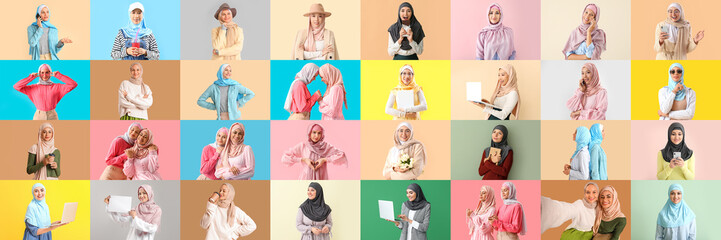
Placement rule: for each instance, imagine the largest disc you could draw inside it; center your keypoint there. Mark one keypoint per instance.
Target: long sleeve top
(580, 165)
(395, 48)
(481, 46)
(614, 227)
(302, 100)
(34, 167)
(116, 154)
(304, 225)
(299, 151)
(583, 49)
(45, 97)
(506, 102)
(35, 35)
(554, 213)
(143, 168)
(685, 232)
(421, 221)
(665, 101)
(331, 106)
(245, 162)
(238, 95)
(481, 228)
(215, 220)
(665, 172)
(595, 107)
(139, 229)
(666, 51)
(490, 171)
(510, 218)
(300, 53)
(597, 165)
(122, 43)
(134, 104)
(417, 152)
(220, 43)
(412, 113)
(208, 161)
(31, 233)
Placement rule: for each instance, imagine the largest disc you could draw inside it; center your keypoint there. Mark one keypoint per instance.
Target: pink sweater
(595, 108)
(510, 218)
(116, 154)
(245, 163)
(208, 160)
(481, 228)
(302, 100)
(45, 97)
(143, 168)
(300, 151)
(332, 104)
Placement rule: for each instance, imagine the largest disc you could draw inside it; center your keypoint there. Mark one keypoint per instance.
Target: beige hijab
(41, 149)
(228, 203)
(511, 85)
(681, 30)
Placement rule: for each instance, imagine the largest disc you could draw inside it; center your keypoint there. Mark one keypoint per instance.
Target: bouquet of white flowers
(406, 161)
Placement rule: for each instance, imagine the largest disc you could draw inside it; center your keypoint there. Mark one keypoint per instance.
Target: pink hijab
(485, 204)
(511, 85)
(578, 35)
(42, 148)
(495, 38)
(141, 150)
(610, 213)
(149, 211)
(228, 203)
(321, 147)
(594, 86)
(333, 77)
(314, 34)
(232, 149)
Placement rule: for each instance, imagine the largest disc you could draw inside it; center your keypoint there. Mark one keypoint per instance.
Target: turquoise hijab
(224, 81)
(38, 212)
(680, 95)
(596, 135)
(583, 138)
(136, 31)
(675, 215)
(46, 24)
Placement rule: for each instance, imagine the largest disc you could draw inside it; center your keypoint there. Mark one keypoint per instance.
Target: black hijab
(316, 209)
(680, 147)
(420, 201)
(503, 145)
(416, 27)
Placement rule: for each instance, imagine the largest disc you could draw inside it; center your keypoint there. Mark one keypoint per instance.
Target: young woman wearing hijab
(144, 219)
(315, 153)
(505, 96)
(578, 169)
(228, 37)
(237, 161)
(406, 82)
(479, 226)
(45, 94)
(582, 214)
(313, 219)
(134, 96)
(135, 41)
(405, 37)
(315, 42)
(597, 165)
(223, 219)
(299, 101)
(510, 219)
(673, 35)
(589, 101)
(37, 217)
(676, 220)
(211, 154)
(496, 166)
(227, 95)
(115, 159)
(495, 41)
(142, 162)
(408, 149)
(43, 36)
(587, 41)
(331, 105)
(610, 221)
(676, 161)
(415, 214)
(677, 101)
(43, 156)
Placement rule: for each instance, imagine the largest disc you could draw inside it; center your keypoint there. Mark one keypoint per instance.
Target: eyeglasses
(674, 11)
(677, 71)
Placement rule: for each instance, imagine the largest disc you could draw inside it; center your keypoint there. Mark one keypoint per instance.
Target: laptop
(474, 92)
(68, 213)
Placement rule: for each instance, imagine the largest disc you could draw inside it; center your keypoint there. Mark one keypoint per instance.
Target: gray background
(167, 196)
(197, 21)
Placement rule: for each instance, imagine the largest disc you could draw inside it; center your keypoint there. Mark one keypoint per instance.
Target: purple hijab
(578, 35)
(495, 39)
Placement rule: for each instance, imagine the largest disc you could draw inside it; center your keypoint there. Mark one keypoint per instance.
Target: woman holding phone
(43, 36)
(587, 41)
(676, 160)
(673, 35)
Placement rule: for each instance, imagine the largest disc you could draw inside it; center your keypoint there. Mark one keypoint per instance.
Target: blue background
(282, 73)
(163, 17)
(75, 105)
(196, 134)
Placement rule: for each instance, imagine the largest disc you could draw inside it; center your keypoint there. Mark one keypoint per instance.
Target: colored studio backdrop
(470, 139)
(197, 135)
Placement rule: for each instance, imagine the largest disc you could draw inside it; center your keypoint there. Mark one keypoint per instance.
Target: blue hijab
(38, 212)
(598, 161)
(46, 24)
(132, 29)
(224, 81)
(680, 95)
(675, 215)
(596, 135)
(583, 137)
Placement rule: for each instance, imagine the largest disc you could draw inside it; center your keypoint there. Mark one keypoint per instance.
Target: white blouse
(580, 165)
(417, 108)
(554, 213)
(215, 221)
(506, 102)
(139, 229)
(318, 54)
(666, 98)
(395, 48)
(134, 104)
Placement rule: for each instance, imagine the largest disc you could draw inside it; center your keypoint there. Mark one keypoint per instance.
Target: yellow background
(649, 76)
(379, 77)
(18, 194)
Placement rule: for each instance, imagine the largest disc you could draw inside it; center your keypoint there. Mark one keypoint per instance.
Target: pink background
(468, 17)
(344, 135)
(465, 194)
(166, 135)
(648, 137)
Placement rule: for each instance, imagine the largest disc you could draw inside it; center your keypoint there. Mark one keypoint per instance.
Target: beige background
(486, 72)
(560, 17)
(163, 78)
(286, 18)
(71, 138)
(72, 21)
(434, 16)
(557, 147)
(377, 139)
(197, 76)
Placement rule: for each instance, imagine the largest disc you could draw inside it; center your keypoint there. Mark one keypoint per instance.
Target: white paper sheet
(120, 204)
(386, 209)
(474, 91)
(404, 99)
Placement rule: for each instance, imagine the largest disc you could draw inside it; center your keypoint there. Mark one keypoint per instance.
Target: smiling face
(606, 199)
(405, 15)
(136, 16)
(675, 196)
(484, 193)
(143, 138)
(586, 75)
(406, 76)
(676, 136)
(315, 135)
(494, 15)
(45, 74)
(224, 190)
(411, 195)
(317, 19)
(142, 195)
(236, 135)
(45, 14)
(674, 14)
(404, 133)
(39, 193)
(497, 135)
(226, 16)
(311, 193)
(134, 132)
(221, 137)
(227, 72)
(136, 71)
(502, 77)
(588, 15)
(677, 74)
(591, 193)
(505, 192)
(47, 134)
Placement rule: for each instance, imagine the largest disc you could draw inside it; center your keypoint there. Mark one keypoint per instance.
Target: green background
(437, 192)
(471, 137)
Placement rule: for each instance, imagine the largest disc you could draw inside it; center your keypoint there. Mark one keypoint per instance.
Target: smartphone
(676, 155)
(664, 28)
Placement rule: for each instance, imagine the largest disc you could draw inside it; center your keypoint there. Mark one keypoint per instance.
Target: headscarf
(126, 136)
(675, 215)
(334, 77)
(142, 151)
(46, 24)
(228, 203)
(149, 211)
(595, 85)
(306, 75)
(497, 39)
(232, 149)
(136, 31)
(320, 147)
(512, 200)
(678, 32)
(316, 209)
(578, 35)
(420, 201)
(224, 81)
(597, 139)
(314, 34)
(410, 86)
(401, 144)
(231, 32)
(511, 85)
(484, 204)
(583, 138)
(596, 135)
(503, 145)
(138, 81)
(223, 129)
(38, 212)
(585, 202)
(42, 148)
(610, 213)
(670, 148)
(40, 80)
(680, 95)
(416, 27)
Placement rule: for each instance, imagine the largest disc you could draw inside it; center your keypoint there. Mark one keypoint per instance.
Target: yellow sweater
(664, 172)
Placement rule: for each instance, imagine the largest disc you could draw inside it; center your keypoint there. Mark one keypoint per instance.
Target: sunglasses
(677, 71)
